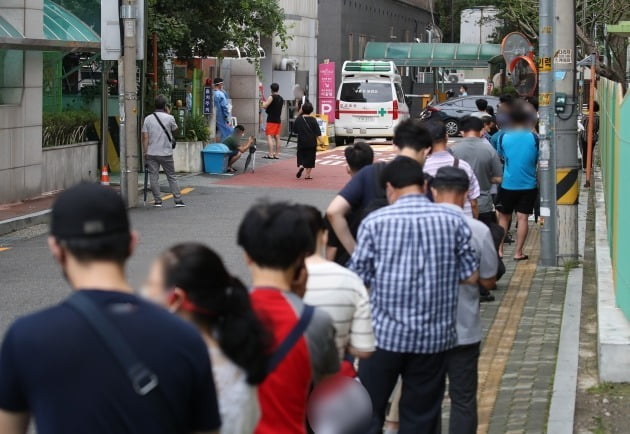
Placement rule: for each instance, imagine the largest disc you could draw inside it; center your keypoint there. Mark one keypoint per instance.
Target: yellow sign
(322, 142)
(547, 29)
(567, 189)
(544, 64)
(544, 99)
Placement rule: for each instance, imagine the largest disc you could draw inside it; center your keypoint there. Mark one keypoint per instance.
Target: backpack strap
(292, 338)
(456, 160)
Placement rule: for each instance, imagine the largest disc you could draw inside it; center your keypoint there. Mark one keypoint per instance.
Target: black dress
(307, 130)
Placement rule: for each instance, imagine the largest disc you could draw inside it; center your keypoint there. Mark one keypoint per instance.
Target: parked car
(452, 110)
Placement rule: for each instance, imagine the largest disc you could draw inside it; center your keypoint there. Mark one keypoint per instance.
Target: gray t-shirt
(159, 144)
(468, 314)
(485, 163)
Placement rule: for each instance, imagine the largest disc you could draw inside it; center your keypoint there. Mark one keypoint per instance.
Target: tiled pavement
(518, 359)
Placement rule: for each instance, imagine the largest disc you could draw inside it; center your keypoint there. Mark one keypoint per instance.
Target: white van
(370, 101)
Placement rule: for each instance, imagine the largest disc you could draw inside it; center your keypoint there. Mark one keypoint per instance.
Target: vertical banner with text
(327, 90)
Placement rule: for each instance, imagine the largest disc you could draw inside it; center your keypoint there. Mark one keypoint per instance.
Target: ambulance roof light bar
(369, 67)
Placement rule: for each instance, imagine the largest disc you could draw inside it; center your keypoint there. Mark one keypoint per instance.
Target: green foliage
(505, 90)
(197, 128)
(204, 28)
(66, 128)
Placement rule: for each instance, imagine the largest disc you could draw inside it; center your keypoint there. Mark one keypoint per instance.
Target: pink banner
(327, 90)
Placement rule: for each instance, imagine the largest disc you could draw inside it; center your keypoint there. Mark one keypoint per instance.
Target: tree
(591, 16)
(204, 28)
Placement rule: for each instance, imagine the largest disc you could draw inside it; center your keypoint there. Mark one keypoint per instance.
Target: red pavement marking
(329, 172)
(12, 210)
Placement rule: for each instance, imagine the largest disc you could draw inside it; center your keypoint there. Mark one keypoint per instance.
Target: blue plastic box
(216, 157)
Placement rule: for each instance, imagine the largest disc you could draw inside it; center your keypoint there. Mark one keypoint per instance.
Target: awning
(435, 55)
(63, 31)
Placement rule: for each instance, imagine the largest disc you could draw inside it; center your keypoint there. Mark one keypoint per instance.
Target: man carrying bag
(158, 143)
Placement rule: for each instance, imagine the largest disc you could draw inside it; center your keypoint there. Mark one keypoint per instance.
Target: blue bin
(216, 157)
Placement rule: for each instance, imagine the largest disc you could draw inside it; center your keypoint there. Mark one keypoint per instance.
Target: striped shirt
(445, 158)
(412, 255)
(341, 293)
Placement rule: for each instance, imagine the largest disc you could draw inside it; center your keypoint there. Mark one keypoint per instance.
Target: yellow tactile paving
(498, 344)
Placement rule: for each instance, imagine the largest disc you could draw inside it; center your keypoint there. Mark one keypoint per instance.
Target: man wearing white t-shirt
(339, 292)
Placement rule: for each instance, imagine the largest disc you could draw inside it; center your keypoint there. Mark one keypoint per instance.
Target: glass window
(399, 93)
(366, 92)
(11, 76)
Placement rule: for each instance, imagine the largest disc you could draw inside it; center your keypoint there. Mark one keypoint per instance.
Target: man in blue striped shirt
(413, 255)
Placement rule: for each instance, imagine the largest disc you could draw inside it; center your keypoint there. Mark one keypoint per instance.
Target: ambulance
(370, 101)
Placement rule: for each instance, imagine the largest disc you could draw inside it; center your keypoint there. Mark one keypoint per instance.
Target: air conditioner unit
(456, 77)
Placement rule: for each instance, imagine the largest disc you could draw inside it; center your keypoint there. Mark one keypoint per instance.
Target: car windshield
(366, 92)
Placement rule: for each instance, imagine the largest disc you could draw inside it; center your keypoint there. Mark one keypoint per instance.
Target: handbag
(168, 136)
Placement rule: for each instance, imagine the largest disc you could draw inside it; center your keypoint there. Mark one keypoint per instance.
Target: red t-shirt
(284, 393)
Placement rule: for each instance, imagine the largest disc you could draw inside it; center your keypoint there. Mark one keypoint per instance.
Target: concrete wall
(367, 20)
(243, 90)
(65, 166)
(187, 157)
(21, 124)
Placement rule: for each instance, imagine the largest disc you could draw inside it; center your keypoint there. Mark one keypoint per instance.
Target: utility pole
(566, 107)
(546, 161)
(129, 170)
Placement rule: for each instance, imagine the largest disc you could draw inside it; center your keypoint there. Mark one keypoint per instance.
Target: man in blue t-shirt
(55, 366)
(361, 193)
(518, 146)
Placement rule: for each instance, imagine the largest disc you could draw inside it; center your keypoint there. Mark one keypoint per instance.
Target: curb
(561, 418)
(25, 221)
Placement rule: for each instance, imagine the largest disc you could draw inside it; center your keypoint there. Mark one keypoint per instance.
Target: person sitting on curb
(233, 142)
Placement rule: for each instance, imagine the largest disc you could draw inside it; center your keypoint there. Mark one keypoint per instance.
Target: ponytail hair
(224, 301)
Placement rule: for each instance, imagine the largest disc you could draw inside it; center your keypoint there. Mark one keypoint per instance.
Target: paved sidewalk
(519, 350)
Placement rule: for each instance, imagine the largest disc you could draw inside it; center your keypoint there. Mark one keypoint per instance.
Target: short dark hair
(110, 248)
(358, 155)
(160, 102)
(470, 123)
(436, 129)
(464, 87)
(506, 98)
(315, 221)
(239, 127)
(490, 110)
(275, 87)
(595, 106)
(307, 108)
(450, 178)
(533, 101)
(402, 172)
(519, 116)
(275, 235)
(487, 120)
(481, 104)
(410, 133)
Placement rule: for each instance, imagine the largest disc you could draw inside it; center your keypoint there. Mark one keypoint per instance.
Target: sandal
(275, 157)
(267, 157)
(299, 173)
(309, 177)
(522, 258)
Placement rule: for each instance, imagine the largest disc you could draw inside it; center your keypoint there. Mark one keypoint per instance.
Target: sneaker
(179, 204)
(157, 203)
(485, 296)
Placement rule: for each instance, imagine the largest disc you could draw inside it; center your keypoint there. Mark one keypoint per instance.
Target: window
(362, 44)
(399, 93)
(366, 92)
(350, 46)
(11, 76)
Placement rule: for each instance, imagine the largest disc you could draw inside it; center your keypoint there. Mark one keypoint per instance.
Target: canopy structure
(435, 55)
(63, 31)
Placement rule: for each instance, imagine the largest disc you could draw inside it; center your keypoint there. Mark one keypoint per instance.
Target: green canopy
(7, 30)
(62, 25)
(434, 55)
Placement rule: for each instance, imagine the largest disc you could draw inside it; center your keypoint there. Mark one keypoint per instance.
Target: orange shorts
(272, 129)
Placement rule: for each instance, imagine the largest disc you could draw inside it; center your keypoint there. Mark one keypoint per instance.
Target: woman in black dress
(307, 130)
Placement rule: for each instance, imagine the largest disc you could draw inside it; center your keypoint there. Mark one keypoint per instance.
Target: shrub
(197, 128)
(66, 128)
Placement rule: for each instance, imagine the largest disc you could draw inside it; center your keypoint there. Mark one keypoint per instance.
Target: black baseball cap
(451, 177)
(217, 81)
(88, 211)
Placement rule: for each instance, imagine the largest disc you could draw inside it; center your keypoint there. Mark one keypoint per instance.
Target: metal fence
(614, 143)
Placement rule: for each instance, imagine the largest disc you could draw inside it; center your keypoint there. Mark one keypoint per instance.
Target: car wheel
(340, 141)
(452, 127)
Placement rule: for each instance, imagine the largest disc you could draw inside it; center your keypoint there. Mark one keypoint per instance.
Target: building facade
(346, 26)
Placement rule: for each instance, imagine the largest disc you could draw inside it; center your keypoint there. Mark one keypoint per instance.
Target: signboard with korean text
(207, 100)
(327, 90)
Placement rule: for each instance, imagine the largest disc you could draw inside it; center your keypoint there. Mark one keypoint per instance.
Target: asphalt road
(30, 280)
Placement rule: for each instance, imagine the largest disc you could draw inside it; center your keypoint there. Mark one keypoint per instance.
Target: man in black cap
(58, 367)
(450, 187)
(222, 109)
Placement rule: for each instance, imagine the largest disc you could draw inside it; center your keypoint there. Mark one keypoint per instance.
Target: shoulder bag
(170, 139)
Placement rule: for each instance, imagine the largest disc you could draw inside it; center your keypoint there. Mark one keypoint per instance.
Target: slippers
(309, 177)
(276, 157)
(267, 157)
(522, 258)
(299, 173)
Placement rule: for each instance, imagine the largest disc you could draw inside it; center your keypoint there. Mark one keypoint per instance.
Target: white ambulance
(370, 101)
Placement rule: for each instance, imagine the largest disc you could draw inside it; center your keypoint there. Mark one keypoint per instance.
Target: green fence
(614, 143)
